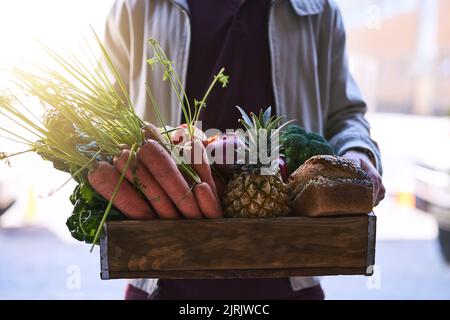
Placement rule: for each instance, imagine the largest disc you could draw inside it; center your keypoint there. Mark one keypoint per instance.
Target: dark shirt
(225, 33)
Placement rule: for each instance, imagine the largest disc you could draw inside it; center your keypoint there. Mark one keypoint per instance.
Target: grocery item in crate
(329, 185)
(257, 189)
(298, 145)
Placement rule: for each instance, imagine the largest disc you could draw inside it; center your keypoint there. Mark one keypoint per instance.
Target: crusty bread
(328, 166)
(329, 185)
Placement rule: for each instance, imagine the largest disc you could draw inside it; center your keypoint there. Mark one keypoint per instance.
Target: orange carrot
(220, 186)
(104, 178)
(139, 175)
(164, 169)
(200, 164)
(207, 201)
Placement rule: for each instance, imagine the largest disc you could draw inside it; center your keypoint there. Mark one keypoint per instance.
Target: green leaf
(266, 116)
(170, 130)
(245, 117)
(87, 213)
(224, 80)
(152, 61)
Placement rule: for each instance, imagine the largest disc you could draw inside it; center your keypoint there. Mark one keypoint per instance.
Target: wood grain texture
(237, 248)
(234, 274)
(104, 258)
(371, 238)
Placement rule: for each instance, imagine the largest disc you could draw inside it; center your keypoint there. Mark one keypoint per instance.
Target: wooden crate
(238, 248)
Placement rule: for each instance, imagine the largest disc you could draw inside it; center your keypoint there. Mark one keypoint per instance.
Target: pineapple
(257, 190)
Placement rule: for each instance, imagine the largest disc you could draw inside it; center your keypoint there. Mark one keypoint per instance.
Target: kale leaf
(88, 211)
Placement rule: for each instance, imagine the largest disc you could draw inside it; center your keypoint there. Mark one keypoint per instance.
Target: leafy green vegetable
(88, 211)
(298, 145)
(78, 142)
(89, 116)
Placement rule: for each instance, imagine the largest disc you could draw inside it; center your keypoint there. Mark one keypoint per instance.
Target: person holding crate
(288, 54)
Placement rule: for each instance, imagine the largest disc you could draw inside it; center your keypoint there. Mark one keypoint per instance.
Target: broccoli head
(293, 129)
(298, 145)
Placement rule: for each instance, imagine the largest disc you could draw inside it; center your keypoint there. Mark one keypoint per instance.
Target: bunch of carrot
(124, 154)
(154, 167)
(156, 174)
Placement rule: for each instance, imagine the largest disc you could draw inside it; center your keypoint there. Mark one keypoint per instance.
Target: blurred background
(400, 56)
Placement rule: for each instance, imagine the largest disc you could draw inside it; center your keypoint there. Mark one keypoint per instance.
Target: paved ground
(406, 269)
(35, 264)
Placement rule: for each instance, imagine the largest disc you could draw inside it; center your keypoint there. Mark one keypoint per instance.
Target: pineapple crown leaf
(262, 121)
(245, 120)
(266, 116)
(255, 121)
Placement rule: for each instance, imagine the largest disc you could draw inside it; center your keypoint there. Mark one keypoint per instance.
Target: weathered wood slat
(234, 274)
(236, 248)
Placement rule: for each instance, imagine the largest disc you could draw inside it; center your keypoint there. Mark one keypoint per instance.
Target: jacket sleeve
(346, 127)
(117, 40)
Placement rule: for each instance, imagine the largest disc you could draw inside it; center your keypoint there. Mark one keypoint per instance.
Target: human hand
(139, 175)
(363, 161)
(104, 178)
(139, 185)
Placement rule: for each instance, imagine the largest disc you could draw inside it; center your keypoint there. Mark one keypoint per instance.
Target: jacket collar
(182, 3)
(307, 7)
(301, 7)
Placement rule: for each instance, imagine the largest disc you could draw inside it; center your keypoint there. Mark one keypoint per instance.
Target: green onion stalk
(83, 107)
(89, 114)
(191, 114)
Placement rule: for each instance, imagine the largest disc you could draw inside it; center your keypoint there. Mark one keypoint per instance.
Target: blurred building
(400, 53)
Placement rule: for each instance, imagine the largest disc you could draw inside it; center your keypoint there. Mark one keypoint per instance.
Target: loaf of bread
(329, 185)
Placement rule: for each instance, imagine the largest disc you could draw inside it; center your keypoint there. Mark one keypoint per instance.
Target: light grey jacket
(310, 76)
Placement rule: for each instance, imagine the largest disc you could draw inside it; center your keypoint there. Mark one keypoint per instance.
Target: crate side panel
(238, 244)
